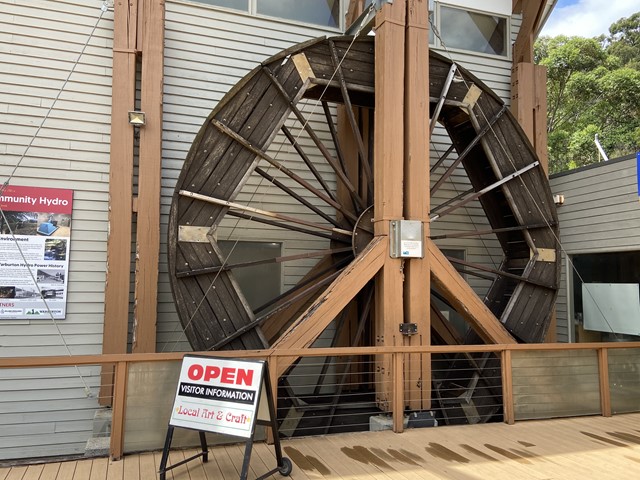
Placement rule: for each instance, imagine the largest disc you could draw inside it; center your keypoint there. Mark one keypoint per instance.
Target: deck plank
(82, 470)
(67, 470)
(99, 469)
(16, 473)
(115, 470)
(33, 472)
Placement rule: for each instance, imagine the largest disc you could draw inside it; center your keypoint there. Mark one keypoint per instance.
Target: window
(326, 13)
(318, 12)
(462, 29)
(597, 271)
(258, 283)
(242, 5)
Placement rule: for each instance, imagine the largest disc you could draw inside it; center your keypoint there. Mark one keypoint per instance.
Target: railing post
(397, 362)
(119, 406)
(507, 387)
(605, 391)
(273, 378)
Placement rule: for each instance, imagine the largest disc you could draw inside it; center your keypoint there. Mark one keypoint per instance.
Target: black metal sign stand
(284, 465)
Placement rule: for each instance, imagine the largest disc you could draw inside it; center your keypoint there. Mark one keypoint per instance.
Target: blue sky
(587, 18)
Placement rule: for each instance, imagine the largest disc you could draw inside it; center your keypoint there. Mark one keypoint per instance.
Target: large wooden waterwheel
(337, 191)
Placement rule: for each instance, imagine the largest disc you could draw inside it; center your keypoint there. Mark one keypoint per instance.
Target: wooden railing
(504, 352)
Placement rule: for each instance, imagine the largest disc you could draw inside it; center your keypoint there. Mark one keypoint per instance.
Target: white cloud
(588, 18)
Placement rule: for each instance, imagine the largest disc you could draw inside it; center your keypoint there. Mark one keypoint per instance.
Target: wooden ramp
(576, 448)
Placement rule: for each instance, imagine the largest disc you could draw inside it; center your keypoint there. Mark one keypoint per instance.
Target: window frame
(252, 11)
(438, 44)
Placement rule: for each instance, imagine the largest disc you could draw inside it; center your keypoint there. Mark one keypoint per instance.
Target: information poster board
(35, 234)
(218, 395)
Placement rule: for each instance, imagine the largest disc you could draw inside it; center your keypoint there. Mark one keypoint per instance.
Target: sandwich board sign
(225, 396)
(218, 395)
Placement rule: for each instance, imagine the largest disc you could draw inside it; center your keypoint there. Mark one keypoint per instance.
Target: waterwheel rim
(233, 143)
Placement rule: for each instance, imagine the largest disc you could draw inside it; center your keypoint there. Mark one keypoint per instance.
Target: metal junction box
(406, 239)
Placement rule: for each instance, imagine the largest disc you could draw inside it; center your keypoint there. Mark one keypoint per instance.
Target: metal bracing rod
(443, 96)
(478, 233)
(349, 111)
(242, 141)
(442, 159)
(256, 323)
(265, 261)
(264, 213)
(307, 161)
(301, 294)
(334, 134)
(336, 266)
(468, 149)
(312, 134)
(501, 273)
(287, 226)
(479, 193)
(271, 179)
(453, 200)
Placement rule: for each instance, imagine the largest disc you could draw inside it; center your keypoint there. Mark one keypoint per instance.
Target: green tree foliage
(593, 88)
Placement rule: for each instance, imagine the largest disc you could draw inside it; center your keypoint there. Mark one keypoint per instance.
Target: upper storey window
(325, 13)
(462, 28)
(318, 12)
(473, 31)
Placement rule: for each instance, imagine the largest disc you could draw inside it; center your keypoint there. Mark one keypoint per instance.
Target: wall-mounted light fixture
(137, 119)
(558, 199)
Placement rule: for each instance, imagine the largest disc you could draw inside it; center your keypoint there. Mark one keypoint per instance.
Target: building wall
(207, 51)
(600, 214)
(40, 42)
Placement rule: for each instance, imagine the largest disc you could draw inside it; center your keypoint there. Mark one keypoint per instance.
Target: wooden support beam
(149, 172)
(532, 12)
(116, 293)
(303, 332)
(388, 181)
(460, 295)
(416, 200)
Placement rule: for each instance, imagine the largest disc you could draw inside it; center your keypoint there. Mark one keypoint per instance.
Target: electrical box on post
(406, 239)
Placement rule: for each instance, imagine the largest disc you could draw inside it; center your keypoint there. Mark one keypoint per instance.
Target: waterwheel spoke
(265, 261)
(500, 273)
(467, 150)
(479, 233)
(274, 181)
(226, 130)
(307, 161)
(479, 193)
(349, 111)
(264, 213)
(293, 228)
(316, 140)
(300, 294)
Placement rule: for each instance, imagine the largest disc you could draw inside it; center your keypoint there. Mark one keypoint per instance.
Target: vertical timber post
(150, 163)
(416, 200)
(529, 96)
(116, 294)
(388, 182)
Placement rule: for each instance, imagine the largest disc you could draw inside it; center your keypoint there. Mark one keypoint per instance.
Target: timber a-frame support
(138, 36)
(401, 186)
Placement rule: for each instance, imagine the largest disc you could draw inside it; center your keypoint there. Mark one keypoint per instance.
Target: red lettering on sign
(211, 372)
(244, 376)
(195, 372)
(228, 375)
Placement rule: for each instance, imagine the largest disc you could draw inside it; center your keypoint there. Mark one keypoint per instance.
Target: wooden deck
(579, 448)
